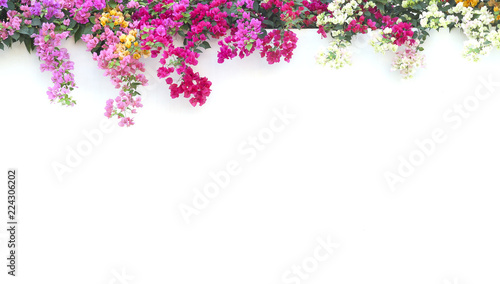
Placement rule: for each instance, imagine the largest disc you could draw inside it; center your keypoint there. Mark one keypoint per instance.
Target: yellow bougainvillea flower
(120, 48)
(468, 3)
(130, 38)
(146, 53)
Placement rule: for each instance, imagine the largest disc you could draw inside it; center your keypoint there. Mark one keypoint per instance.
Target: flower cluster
(339, 13)
(80, 10)
(313, 8)
(243, 39)
(433, 18)
(336, 55)
(358, 17)
(476, 25)
(468, 3)
(121, 33)
(408, 60)
(277, 44)
(117, 52)
(393, 33)
(11, 25)
(57, 61)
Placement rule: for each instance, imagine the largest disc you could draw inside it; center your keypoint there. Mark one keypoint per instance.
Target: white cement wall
(318, 175)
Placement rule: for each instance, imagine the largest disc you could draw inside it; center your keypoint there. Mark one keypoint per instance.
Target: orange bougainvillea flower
(468, 3)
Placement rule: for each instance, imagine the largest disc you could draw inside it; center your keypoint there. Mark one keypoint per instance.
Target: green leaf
(46, 38)
(28, 42)
(249, 46)
(268, 23)
(87, 30)
(24, 30)
(256, 6)
(1, 46)
(78, 33)
(262, 34)
(381, 7)
(15, 36)
(72, 24)
(205, 45)
(36, 22)
(8, 42)
(269, 13)
(111, 64)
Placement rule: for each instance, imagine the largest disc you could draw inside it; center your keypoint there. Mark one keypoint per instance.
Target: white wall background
(321, 177)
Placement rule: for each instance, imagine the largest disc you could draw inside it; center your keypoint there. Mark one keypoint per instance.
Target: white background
(118, 213)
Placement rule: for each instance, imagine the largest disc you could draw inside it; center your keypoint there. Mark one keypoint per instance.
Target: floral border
(119, 33)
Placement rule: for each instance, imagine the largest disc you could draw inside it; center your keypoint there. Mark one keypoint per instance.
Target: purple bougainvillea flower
(35, 9)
